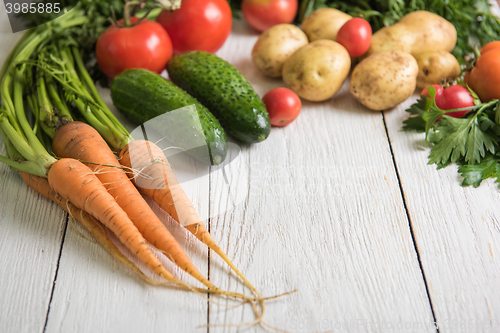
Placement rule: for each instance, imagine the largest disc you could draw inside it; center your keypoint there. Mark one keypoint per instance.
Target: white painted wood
(317, 207)
(95, 293)
(322, 214)
(457, 233)
(31, 232)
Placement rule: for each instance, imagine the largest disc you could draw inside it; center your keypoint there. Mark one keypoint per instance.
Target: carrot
(94, 227)
(155, 178)
(82, 142)
(73, 180)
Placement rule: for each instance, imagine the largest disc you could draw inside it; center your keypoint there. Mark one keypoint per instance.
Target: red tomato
(439, 92)
(202, 25)
(283, 106)
(454, 97)
(263, 14)
(355, 35)
(145, 45)
(484, 78)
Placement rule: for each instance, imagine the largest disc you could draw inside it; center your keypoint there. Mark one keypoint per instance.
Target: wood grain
(323, 214)
(457, 232)
(32, 230)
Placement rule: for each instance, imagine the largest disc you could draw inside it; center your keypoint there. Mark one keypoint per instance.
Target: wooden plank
(32, 229)
(322, 213)
(457, 232)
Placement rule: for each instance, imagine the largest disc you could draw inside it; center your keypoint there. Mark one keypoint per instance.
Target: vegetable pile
(472, 18)
(62, 138)
(462, 127)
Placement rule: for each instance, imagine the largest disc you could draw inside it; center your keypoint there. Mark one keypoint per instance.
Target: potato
(275, 46)
(318, 70)
(415, 33)
(433, 67)
(384, 79)
(324, 23)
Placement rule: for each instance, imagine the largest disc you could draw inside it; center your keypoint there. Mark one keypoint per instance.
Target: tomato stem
(127, 12)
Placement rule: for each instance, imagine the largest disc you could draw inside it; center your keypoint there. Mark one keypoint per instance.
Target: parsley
(472, 141)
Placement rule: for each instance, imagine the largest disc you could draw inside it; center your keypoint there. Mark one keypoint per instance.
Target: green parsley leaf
(474, 174)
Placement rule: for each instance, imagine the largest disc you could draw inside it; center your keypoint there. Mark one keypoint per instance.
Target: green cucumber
(144, 97)
(224, 91)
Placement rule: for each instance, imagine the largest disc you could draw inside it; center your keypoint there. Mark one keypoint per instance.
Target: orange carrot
(155, 178)
(73, 180)
(81, 141)
(94, 227)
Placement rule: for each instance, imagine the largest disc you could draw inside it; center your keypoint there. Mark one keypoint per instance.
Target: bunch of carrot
(86, 179)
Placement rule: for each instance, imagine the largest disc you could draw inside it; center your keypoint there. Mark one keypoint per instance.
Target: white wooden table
(340, 205)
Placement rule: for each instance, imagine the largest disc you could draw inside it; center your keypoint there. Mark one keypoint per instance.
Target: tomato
(490, 46)
(145, 45)
(439, 92)
(202, 25)
(283, 106)
(263, 14)
(355, 35)
(454, 97)
(484, 78)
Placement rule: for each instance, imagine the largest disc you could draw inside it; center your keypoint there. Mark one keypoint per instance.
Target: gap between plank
(208, 249)
(55, 275)
(409, 222)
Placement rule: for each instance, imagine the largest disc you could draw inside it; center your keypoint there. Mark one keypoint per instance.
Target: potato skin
(275, 46)
(317, 71)
(324, 23)
(433, 67)
(384, 79)
(415, 33)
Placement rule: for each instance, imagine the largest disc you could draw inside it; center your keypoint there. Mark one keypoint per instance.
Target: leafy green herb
(472, 141)
(474, 174)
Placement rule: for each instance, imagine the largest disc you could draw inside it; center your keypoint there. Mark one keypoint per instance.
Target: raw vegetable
(283, 106)
(142, 95)
(409, 36)
(317, 71)
(453, 97)
(154, 177)
(82, 142)
(471, 141)
(434, 67)
(94, 227)
(64, 67)
(198, 25)
(275, 46)
(484, 78)
(473, 19)
(324, 23)
(224, 91)
(143, 44)
(263, 14)
(355, 35)
(384, 79)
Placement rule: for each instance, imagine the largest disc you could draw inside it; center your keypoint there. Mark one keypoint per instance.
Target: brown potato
(317, 71)
(324, 23)
(384, 79)
(433, 67)
(415, 33)
(275, 46)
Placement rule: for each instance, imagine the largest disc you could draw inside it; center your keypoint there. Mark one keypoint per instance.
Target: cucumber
(224, 91)
(144, 97)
